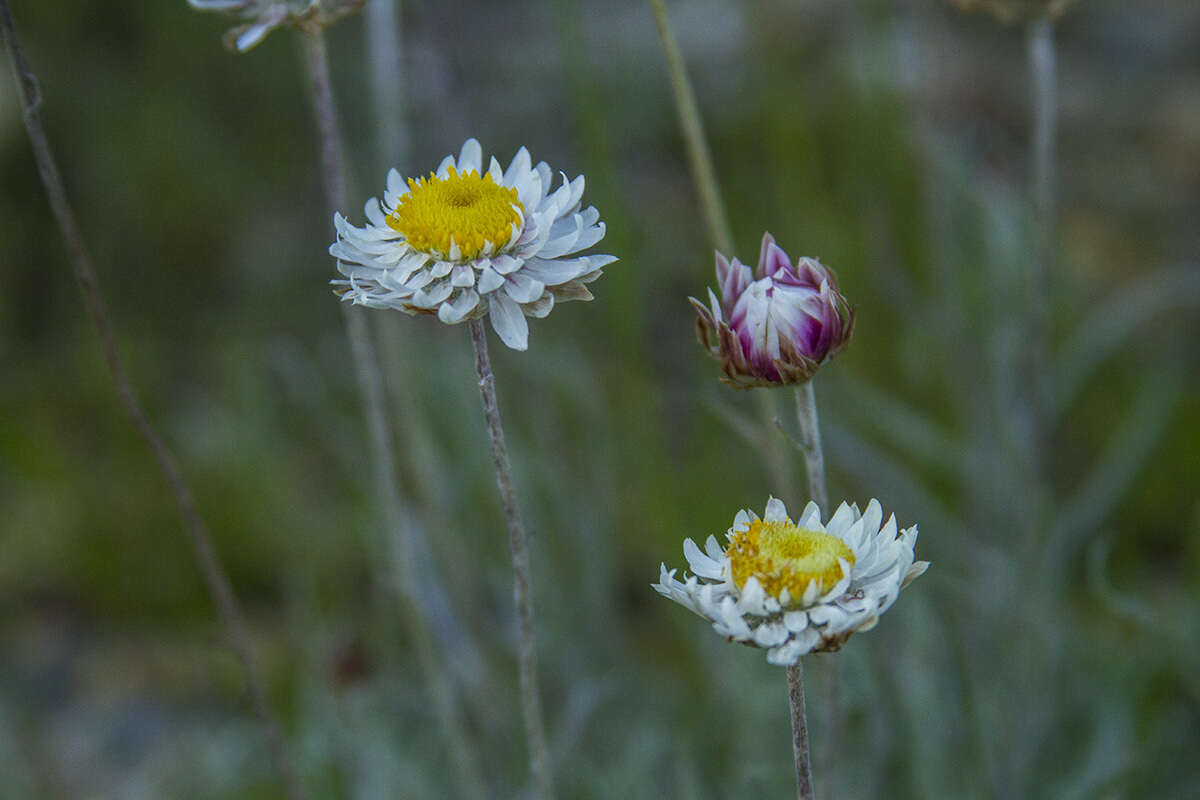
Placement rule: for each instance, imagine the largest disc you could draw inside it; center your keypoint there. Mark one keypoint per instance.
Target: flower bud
(777, 325)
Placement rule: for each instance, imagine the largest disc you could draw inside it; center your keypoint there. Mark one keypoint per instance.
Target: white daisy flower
(464, 243)
(794, 588)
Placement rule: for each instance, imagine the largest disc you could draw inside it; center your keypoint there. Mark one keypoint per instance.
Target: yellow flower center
(470, 209)
(782, 555)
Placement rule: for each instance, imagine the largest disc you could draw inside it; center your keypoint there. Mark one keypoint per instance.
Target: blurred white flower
(794, 588)
(266, 15)
(465, 243)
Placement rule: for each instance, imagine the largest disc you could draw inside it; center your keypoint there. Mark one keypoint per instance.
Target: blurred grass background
(1053, 657)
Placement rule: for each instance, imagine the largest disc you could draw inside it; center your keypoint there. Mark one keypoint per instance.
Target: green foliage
(1049, 652)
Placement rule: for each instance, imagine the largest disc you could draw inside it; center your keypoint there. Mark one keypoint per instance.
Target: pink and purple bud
(777, 325)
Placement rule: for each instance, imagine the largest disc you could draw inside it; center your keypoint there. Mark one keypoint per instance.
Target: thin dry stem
(693, 134)
(370, 381)
(715, 219)
(804, 778)
(522, 590)
(215, 578)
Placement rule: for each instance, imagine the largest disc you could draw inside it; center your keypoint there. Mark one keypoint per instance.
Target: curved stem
(699, 155)
(535, 734)
(215, 577)
(804, 778)
(705, 177)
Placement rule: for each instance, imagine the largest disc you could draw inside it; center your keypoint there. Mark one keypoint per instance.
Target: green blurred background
(1051, 654)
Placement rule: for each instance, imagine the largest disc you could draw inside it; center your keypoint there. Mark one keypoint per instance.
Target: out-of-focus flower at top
(794, 588)
(466, 243)
(777, 325)
(1015, 10)
(266, 15)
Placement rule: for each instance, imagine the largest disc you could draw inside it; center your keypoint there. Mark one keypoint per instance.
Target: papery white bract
(794, 588)
(774, 326)
(466, 243)
(264, 16)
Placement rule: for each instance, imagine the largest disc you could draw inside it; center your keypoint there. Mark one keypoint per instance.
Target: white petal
(505, 264)
(518, 169)
(713, 549)
(495, 171)
(395, 184)
(753, 598)
(462, 275)
(374, 213)
(700, 563)
(458, 308)
(432, 295)
(490, 280)
(776, 511)
(787, 655)
(843, 518)
(471, 157)
(872, 517)
(508, 321)
(811, 518)
(523, 288)
(770, 634)
(795, 621)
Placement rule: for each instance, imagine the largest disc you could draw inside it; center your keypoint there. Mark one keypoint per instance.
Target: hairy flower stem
(804, 778)
(215, 577)
(810, 444)
(535, 734)
(814, 462)
(370, 381)
(705, 177)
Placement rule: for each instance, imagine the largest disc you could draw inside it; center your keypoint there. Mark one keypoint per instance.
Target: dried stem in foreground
(214, 575)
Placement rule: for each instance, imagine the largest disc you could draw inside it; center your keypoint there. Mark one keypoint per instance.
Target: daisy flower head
(264, 16)
(776, 325)
(466, 242)
(794, 588)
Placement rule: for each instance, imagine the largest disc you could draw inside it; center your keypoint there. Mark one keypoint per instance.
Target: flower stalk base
(804, 778)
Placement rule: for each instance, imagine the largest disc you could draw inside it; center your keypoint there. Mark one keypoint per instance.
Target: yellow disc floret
(782, 555)
(470, 209)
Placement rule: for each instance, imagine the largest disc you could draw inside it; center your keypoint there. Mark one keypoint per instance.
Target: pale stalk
(700, 160)
(382, 21)
(1043, 79)
(383, 459)
(705, 177)
(804, 778)
(699, 156)
(535, 733)
(814, 463)
(810, 444)
(215, 578)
